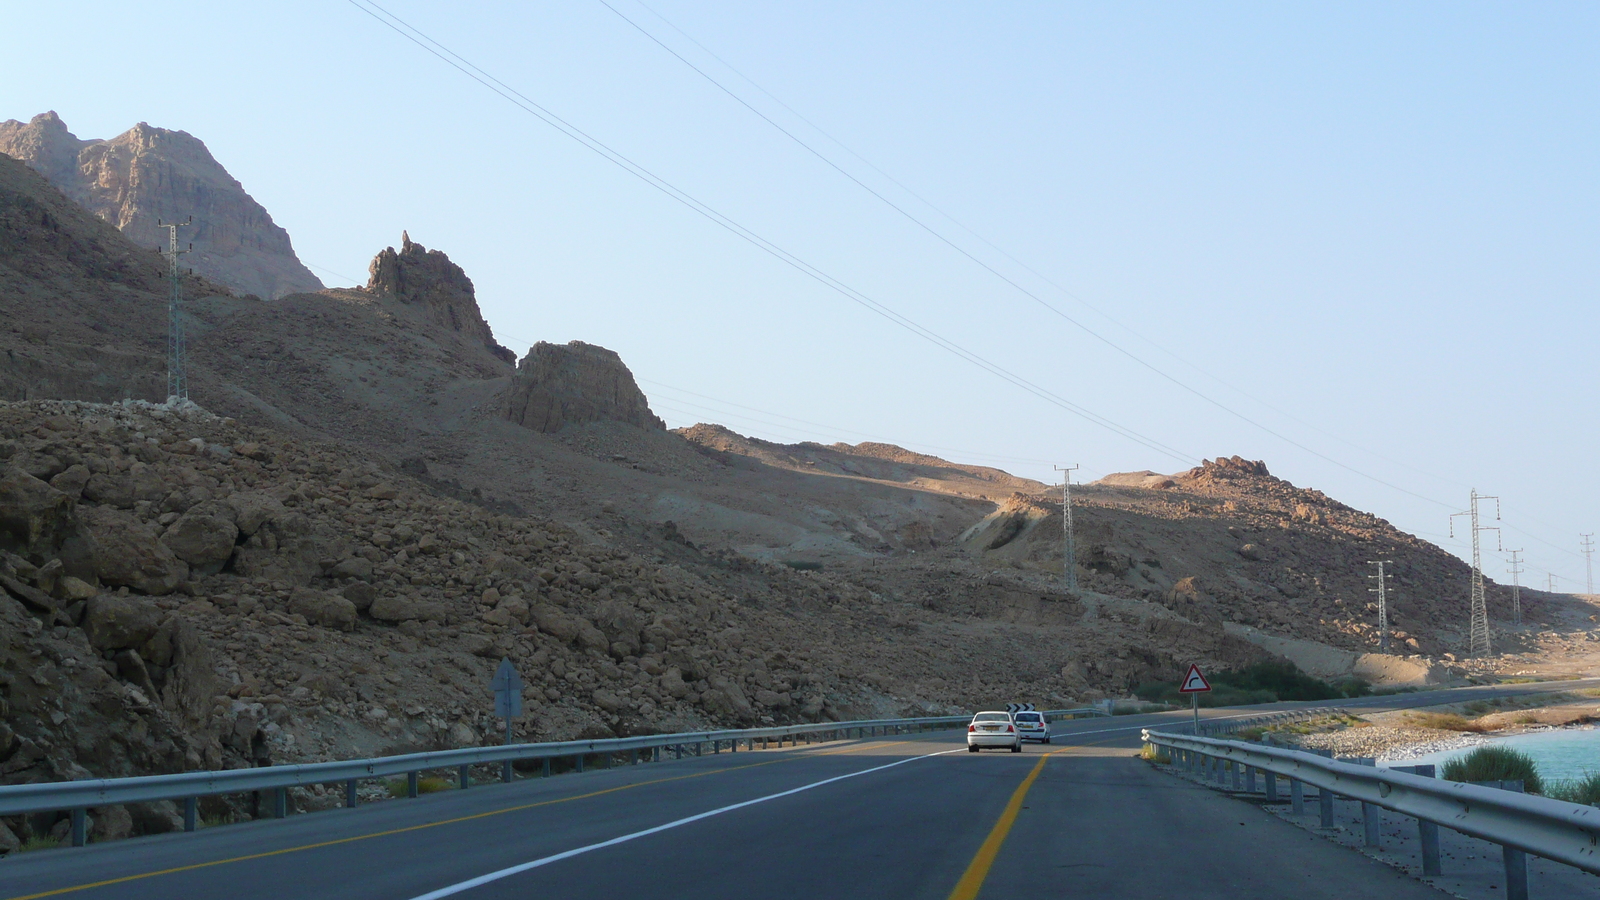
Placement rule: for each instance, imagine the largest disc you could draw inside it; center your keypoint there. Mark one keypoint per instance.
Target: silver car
(993, 729)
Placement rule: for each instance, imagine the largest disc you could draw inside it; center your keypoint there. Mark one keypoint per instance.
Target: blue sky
(1368, 229)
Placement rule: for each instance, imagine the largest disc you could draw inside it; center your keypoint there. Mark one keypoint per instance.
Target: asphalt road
(913, 817)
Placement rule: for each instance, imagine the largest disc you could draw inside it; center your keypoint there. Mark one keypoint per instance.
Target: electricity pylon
(1383, 601)
(1479, 625)
(1069, 557)
(177, 377)
(1588, 562)
(1516, 571)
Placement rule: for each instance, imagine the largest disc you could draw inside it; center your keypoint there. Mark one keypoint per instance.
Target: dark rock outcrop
(150, 173)
(428, 280)
(558, 385)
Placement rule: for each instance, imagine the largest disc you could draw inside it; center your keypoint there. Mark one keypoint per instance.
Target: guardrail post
(633, 757)
(1233, 769)
(412, 787)
(698, 746)
(280, 803)
(580, 763)
(350, 794)
(1325, 807)
(191, 813)
(1297, 797)
(545, 769)
(463, 777)
(1516, 874)
(655, 753)
(80, 827)
(1250, 779)
(1272, 785)
(716, 747)
(605, 760)
(505, 772)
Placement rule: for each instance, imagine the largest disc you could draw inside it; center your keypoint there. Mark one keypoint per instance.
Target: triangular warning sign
(1194, 682)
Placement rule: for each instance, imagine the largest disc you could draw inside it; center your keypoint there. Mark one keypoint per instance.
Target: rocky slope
(149, 173)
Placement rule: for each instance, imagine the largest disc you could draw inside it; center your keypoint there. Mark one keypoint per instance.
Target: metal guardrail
(1521, 824)
(80, 796)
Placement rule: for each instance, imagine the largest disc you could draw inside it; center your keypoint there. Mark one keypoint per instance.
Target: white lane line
(568, 854)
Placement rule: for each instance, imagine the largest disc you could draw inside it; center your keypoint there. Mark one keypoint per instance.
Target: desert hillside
(371, 502)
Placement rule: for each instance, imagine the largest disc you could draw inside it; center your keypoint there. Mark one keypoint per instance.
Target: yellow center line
(978, 870)
(459, 819)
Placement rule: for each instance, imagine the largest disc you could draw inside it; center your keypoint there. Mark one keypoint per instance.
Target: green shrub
(1152, 753)
(1264, 682)
(1492, 763)
(39, 842)
(1585, 790)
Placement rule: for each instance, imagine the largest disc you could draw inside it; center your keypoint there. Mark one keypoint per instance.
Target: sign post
(1194, 684)
(507, 687)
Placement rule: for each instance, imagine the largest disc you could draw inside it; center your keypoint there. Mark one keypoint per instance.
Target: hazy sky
(1369, 229)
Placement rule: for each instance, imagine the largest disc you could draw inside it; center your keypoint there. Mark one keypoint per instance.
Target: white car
(993, 729)
(1033, 727)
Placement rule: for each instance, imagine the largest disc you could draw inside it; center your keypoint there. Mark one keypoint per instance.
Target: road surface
(908, 817)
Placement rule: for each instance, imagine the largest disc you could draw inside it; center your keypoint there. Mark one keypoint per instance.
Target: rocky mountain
(149, 173)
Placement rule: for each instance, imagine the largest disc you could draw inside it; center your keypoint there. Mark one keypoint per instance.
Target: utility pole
(1479, 626)
(1516, 587)
(177, 377)
(1550, 582)
(1069, 556)
(1383, 601)
(1588, 561)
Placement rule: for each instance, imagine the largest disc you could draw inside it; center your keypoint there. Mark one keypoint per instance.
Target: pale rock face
(558, 385)
(150, 173)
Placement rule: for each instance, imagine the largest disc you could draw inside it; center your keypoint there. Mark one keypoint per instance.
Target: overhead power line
(1002, 276)
(471, 70)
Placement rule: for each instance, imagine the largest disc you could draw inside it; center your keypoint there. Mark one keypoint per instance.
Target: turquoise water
(1559, 753)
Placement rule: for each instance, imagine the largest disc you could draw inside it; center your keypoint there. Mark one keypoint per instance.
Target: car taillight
(972, 728)
(1009, 728)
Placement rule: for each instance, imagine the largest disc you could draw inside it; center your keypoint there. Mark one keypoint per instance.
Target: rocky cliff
(150, 173)
(438, 288)
(558, 385)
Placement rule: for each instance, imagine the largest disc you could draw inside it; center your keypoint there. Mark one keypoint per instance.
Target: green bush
(426, 785)
(1264, 682)
(39, 842)
(1585, 790)
(1492, 763)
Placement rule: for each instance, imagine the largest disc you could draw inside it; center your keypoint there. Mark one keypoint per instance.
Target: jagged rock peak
(569, 384)
(1227, 468)
(427, 279)
(149, 173)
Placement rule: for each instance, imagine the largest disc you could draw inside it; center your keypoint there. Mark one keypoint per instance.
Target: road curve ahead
(915, 817)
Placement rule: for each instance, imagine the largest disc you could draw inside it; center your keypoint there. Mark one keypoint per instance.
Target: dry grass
(428, 785)
(1445, 722)
(1154, 754)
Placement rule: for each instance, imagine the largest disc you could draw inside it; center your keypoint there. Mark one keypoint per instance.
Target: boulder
(203, 539)
(354, 567)
(673, 684)
(253, 509)
(129, 552)
(125, 488)
(361, 595)
(71, 482)
(323, 608)
(115, 622)
(405, 609)
(554, 622)
(40, 523)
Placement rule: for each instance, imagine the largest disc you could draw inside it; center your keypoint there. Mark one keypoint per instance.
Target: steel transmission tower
(1383, 601)
(1479, 626)
(1069, 556)
(177, 350)
(1516, 571)
(1588, 562)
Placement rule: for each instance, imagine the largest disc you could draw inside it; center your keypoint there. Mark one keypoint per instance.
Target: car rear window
(1027, 717)
(990, 717)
